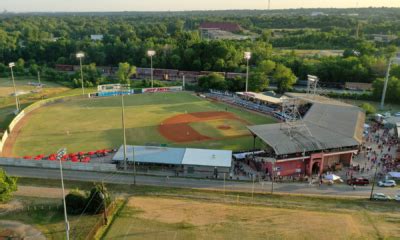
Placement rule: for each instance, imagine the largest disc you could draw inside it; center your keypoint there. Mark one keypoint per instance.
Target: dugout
(177, 161)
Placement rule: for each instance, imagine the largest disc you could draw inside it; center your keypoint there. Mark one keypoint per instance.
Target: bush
(8, 185)
(368, 108)
(76, 202)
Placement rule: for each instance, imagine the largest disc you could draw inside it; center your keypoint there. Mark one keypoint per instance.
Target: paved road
(293, 188)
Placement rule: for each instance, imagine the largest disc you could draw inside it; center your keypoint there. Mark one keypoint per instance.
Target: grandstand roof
(316, 99)
(261, 97)
(331, 126)
(176, 156)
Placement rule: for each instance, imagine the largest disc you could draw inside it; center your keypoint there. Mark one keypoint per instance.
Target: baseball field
(173, 119)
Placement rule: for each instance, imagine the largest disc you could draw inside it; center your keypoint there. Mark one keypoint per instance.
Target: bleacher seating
(233, 99)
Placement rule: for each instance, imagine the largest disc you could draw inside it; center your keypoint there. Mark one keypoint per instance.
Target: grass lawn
(88, 124)
(175, 213)
(47, 216)
(149, 217)
(7, 102)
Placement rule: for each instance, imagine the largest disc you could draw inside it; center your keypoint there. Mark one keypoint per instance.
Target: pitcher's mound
(224, 127)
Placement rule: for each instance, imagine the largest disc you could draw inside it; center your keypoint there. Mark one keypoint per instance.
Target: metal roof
(176, 156)
(203, 157)
(262, 97)
(331, 126)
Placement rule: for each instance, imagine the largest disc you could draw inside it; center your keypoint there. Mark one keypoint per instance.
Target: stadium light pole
(247, 56)
(151, 53)
(391, 61)
(81, 55)
(60, 154)
(11, 65)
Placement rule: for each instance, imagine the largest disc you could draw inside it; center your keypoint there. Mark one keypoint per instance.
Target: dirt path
(12, 137)
(46, 192)
(177, 128)
(18, 230)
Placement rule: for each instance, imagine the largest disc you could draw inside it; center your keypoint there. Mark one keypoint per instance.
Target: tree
(95, 203)
(75, 201)
(125, 72)
(284, 77)
(259, 77)
(368, 108)
(8, 185)
(212, 81)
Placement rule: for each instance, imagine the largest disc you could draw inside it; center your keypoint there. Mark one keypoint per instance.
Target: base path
(177, 128)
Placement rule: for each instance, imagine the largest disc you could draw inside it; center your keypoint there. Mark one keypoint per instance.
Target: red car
(358, 181)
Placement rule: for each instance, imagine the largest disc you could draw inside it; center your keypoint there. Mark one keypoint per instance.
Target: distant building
(96, 37)
(358, 86)
(224, 26)
(221, 30)
(383, 38)
(315, 14)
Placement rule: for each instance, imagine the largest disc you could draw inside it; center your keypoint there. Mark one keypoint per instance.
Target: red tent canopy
(74, 159)
(52, 158)
(28, 157)
(91, 153)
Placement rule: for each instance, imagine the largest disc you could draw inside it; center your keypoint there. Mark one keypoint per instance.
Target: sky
(180, 5)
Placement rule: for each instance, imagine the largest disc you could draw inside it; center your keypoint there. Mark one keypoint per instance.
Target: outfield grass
(7, 101)
(47, 216)
(88, 124)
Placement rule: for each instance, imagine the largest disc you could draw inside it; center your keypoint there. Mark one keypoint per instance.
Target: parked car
(387, 183)
(358, 181)
(381, 197)
(397, 197)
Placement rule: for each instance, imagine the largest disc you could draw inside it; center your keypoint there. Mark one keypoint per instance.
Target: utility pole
(38, 74)
(373, 183)
(124, 130)
(134, 165)
(60, 154)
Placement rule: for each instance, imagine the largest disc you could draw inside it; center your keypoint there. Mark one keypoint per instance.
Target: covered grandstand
(184, 161)
(328, 136)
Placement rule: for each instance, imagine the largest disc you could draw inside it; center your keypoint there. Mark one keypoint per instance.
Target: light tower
(151, 53)
(11, 65)
(247, 56)
(81, 55)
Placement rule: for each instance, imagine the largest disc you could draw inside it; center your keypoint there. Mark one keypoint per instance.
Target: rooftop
(262, 97)
(225, 26)
(332, 126)
(176, 156)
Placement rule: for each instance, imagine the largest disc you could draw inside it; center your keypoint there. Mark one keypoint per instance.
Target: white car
(380, 196)
(397, 197)
(387, 183)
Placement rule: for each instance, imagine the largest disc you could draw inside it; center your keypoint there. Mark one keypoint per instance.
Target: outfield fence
(79, 166)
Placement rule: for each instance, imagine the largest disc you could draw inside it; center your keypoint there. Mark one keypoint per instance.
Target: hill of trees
(38, 41)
